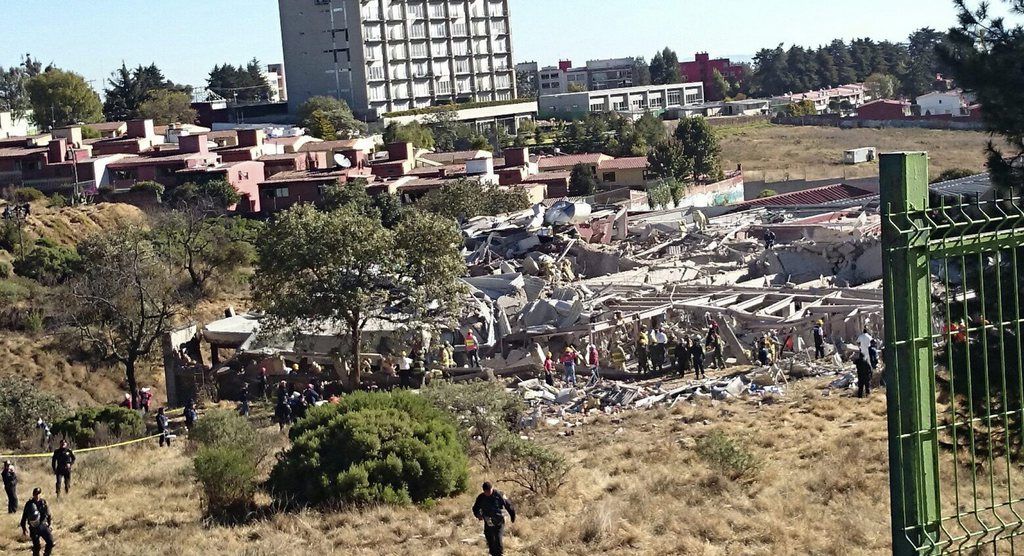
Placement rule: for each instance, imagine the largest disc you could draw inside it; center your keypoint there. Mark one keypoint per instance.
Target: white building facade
(937, 103)
(384, 56)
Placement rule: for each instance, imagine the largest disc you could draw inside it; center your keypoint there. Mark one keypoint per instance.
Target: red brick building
(884, 110)
(702, 69)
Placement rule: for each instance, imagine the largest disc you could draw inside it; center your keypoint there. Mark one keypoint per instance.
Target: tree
(880, 86)
(243, 84)
(413, 132)
(206, 247)
(984, 54)
(60, 98)
(124, 299)
(385, 207)
(827, 72)
(803, 108)
(700, 144)
(651, 128)
(319, 125)
(127, 90)
(582, 181)
(669, 160)
(526, 84)
(463, 199)
(13, 94)
(167, 107)
(719, 86)
(210, 196)
(843, 61)
(924, 61)
(318, 268)
(665, 68)
(337, 112)
(641, 72)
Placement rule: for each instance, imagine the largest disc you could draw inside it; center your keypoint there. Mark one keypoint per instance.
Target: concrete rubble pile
(550, 283)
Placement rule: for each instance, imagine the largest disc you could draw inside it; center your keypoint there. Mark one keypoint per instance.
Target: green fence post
(913, 450)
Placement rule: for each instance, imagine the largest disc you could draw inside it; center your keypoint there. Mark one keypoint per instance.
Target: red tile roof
(816, 196)
(547, 176)
(628, 163)
(571, 160)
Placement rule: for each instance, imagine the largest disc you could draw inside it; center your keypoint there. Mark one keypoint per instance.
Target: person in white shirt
(864, 341)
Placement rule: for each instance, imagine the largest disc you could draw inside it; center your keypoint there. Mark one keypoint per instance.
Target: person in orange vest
(472, 349)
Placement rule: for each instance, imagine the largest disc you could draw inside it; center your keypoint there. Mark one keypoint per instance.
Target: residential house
(937, 103)
(884, 109)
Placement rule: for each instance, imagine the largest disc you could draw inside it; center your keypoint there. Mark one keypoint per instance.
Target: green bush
(21, 404)
(536, 468)
(484, 410)
(391, 448)
(27, 195)
(766, 193)
(48, 263)
(58, 201)
(727, 456)
(96, 425)
(10, 235)
(226, 464)
(228, 428)
(5, 270)
(228, 479)
(148, 187)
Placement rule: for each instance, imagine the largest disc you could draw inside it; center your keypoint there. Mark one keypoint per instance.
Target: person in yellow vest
(619, 358)
(472, 349)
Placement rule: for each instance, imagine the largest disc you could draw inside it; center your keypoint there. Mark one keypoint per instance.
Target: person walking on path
(490, 507)
(10, 478)
(593, 361)
(163, 426)
(61, 462)
(36, 521)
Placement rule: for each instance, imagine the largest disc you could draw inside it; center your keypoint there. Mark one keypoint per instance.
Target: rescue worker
(310, 395)
(472, 349)
(10, 478)
(419, 368)
(873, 354)
(490, 507)
(697, 354)
(593, 361)
(190, 415)
(717, 357)
(763, 357)
(36, 521)
(683, 356)
(549, 370)
(619, 358)
(61, 462)
(163, 426)
(145, 399)
(864, 342)
(569, 367)
(445, 356)
(243, 407)
(863, 375)
(283, 410)
(642, 361)
(819, 339)
(769, 239)
(658, 350)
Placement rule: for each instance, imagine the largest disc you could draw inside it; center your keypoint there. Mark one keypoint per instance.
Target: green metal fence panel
(954, 359)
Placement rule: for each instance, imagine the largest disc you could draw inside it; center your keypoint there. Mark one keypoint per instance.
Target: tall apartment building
(383, 56)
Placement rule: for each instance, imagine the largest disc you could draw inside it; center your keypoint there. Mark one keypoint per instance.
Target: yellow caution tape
(82, 451)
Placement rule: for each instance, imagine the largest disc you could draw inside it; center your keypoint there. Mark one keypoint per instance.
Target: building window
(419, 50)
(416, 10)
(673, 98)
(419, 30)
(608, 177)
(278, 193)
(438, 30)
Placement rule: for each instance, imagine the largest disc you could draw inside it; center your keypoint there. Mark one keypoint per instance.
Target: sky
(186, 38)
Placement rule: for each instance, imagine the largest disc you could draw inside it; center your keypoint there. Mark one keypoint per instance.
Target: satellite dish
(342, 160)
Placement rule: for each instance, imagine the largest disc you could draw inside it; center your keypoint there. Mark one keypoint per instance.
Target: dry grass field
(638, 486)
(776, 151)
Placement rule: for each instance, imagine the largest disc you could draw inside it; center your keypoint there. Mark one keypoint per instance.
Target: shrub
(391, 448)
(27, 195)
(532, 466)
(228, 479)
(48, 263)
(58, 201)
(5, 270)
(147, 186)
(94, 425)
(728, 457)
(10, 235)
(484, 410)
(766, 193)
(228, 428)
(21, 404)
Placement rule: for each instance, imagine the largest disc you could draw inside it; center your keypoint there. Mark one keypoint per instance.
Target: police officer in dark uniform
(36, 521)
(10, 478)
(489, 507)
(61, 462)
